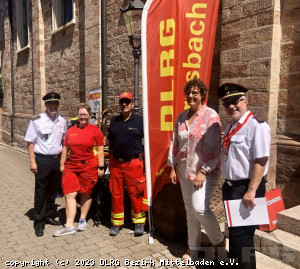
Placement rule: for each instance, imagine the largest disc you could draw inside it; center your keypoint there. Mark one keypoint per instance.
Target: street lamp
(132, 14)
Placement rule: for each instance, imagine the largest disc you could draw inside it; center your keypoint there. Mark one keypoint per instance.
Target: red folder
(275, 204)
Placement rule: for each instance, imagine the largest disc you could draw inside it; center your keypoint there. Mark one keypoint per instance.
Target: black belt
(48, 156)
(127, 159)
(81, 161)
(235, 183)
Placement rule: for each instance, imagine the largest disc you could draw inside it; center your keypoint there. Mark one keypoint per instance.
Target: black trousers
(46, 184)
(241, 239)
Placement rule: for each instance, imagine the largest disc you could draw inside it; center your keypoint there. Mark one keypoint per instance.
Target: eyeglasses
(126, 101)
(83, 115)
(234, 102)
(194, 93)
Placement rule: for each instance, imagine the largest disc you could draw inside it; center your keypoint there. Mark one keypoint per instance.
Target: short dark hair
(198, 83)
(86, 106)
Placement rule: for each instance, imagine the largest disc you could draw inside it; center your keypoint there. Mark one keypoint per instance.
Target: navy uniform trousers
(46, 184)
(241, 243)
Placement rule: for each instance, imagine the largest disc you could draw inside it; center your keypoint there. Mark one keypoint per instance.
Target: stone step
(262, 261)
(279, 245)
(265, 262)
(289, 220)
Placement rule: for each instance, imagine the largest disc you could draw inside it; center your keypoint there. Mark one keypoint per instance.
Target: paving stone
(23, 247)
(104, 243)
(52, 243)
(35, 250)
(87, 248)
(108, 249)
(120, 253)
(20, 243)
(7, 251)
(126, 244)
(74, 245)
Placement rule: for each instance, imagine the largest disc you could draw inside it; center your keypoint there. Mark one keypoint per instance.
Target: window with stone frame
(22, 23)
(62, 13)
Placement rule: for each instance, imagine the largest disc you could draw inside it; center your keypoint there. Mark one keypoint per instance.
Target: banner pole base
(150, 238)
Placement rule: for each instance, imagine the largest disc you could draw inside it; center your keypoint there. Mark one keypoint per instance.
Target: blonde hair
(86, 106)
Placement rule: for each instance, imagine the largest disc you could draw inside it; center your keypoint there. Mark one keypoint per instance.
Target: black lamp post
(132, 14)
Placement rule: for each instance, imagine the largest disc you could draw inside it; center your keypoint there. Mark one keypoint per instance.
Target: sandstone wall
(120, 64)
(288, 128)
(250, 55)
(66, 61)
(289, 94)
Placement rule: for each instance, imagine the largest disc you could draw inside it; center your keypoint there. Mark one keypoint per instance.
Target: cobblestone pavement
(93, 248)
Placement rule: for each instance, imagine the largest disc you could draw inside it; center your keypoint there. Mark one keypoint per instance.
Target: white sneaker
(64, 231)
(82, 225)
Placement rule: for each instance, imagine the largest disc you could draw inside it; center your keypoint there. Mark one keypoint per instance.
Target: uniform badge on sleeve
(258, 118)
(36, 117)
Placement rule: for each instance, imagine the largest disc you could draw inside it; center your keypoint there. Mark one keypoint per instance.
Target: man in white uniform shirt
(44, 137)
(244, 163)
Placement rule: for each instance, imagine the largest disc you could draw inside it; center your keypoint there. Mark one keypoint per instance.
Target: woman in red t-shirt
(81, 167)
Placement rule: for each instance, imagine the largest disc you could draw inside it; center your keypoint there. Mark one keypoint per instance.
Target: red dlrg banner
(177, 45)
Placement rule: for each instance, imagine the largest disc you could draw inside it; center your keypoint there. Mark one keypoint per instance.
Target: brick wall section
(72, 55)
(120, 60)
(67, 62)
(2, 29)
(5, 70)
(251, 56)
(22, 71)
(288, 128)
(120, 67)
(247, 30)
(289, 95)
(38, 52)
(2, 46)
(5, 57)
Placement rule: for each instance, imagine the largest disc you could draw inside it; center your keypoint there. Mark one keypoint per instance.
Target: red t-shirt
(82, 141)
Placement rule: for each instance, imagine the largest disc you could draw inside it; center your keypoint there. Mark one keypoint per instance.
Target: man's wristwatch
(101, 168)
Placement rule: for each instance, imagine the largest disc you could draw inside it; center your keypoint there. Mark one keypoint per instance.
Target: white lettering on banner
(274, 200)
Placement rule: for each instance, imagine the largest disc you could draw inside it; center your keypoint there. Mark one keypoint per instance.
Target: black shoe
(138, 229)
(52, 221)
(114, 230)
(39, 231)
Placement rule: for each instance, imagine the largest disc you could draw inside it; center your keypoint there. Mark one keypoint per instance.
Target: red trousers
(80, 177)
(131, 175)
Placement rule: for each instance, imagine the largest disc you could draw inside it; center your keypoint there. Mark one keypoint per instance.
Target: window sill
(23, 49)
(63, 27)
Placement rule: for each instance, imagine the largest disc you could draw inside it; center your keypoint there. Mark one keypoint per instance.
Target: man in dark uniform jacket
(44, 137)
(244, 163)
(126, 166)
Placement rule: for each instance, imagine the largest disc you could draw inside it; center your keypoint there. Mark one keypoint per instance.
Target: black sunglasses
(233, 101)
(52, 102)
(125, 100)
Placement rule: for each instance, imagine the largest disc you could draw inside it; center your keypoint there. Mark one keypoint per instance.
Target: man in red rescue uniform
(126, 166)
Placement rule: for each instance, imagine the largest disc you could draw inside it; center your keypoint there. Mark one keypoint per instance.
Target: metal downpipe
(104, 53)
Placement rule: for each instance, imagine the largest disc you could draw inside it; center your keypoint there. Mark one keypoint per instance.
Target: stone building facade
(66, 60)
(260, 48)
(257, 44)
